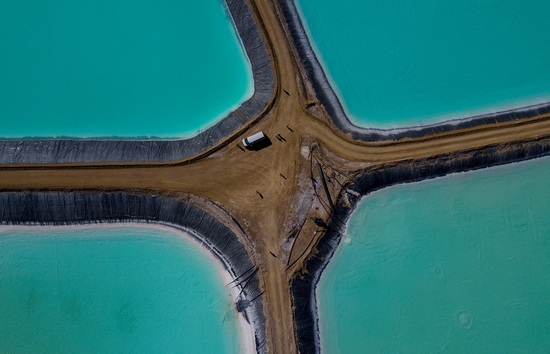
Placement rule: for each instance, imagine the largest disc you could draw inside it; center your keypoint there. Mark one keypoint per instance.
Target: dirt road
(269, 191)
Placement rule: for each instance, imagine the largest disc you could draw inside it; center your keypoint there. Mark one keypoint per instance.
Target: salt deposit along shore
(265, 200)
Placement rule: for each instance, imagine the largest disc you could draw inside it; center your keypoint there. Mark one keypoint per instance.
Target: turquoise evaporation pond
(111, 290)
(459, 264)
(396, 63)
(142, 68)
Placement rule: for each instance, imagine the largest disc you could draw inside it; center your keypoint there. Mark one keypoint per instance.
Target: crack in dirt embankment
(269, 196)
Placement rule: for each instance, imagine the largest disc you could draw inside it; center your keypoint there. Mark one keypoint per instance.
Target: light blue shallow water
(403, 63)
(460, 264)
(126, 68)
(111, 290)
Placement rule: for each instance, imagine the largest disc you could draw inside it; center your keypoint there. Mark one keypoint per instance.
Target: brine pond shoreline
(46, 182)
(146, 149)
(331, 103)
(304, 286)
(25, 211)
(457, 263)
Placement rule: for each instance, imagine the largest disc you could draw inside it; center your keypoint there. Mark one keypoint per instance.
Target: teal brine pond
(126, 68)
(111, 290)
(396, 63)
(459, 264)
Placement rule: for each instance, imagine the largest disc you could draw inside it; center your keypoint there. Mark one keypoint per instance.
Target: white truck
(254, 140)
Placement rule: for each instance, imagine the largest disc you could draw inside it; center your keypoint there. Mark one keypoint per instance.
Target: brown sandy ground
(270, 192)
